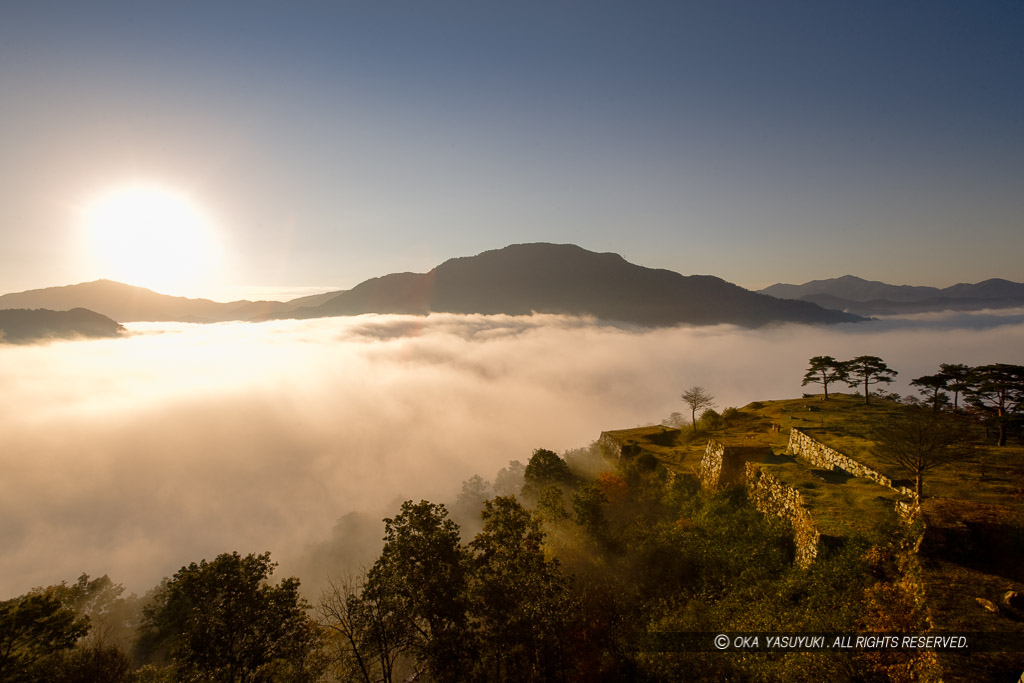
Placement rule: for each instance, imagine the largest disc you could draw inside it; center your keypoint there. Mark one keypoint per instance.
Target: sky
(326, 142)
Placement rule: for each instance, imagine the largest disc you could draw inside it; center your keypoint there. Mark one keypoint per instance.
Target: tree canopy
(866, 371)
(932, 386)
(697, 399)
(223, 621)
(997, 388)
(825, 370)
(919, 440)
(422, 574)
(517, 596)
(545, 467)
(33, 628)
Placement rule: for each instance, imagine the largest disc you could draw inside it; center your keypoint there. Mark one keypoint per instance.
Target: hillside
(968, 557)
(566, 279)
(22, 325)
(126, 303)
(868, 297)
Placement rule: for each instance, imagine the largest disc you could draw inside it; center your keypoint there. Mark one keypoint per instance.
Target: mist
(134, 456)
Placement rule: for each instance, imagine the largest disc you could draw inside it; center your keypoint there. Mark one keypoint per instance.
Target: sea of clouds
(134, 456)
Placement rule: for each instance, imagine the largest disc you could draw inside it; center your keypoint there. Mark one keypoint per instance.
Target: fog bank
(135, 456)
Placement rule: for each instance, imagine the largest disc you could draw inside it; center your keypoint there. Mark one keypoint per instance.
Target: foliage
(588, 504)
(509, 480)
(422, 576)
(517, 597)
(34, 627)
(867, 370)
(475, 491)
(957, 377)
(367, 634)
(932, 387)
(697, 398)
(544, 468)
(222, 621)
(91, 663)
(675, 420)
(613, 486)
(999, 389)
(825, 370)
(113, 618)
(710, 420)
(917, 441)
(551, 503)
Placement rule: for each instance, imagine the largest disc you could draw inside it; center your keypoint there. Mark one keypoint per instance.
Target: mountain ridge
(541, 277)
(128, 303)
(871, 297)
(548, 278)
(19, 326)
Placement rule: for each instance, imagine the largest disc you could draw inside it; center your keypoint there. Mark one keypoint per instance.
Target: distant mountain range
(18, 326)
(566, 279)
(518, 279)
(866, 297)
(126, 303)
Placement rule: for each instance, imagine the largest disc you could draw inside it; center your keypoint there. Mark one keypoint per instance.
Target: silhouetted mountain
(22, 325)
(566, 279)
(864, 297)
(126, 303)
(995, 288)
(851, 288)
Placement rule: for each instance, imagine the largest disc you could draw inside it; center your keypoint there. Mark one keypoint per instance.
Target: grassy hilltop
(970, 527)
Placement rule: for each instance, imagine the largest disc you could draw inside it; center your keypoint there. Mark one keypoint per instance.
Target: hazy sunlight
(151, 236)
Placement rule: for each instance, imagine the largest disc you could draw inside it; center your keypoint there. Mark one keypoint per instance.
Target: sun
(151, 236)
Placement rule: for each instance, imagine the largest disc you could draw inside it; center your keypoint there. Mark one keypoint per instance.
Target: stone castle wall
(723, 466)
(773, 497)
(609, 445)
(820, 455)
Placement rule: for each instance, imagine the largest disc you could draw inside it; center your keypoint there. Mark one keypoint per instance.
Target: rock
(1013, 600)
(987, 604)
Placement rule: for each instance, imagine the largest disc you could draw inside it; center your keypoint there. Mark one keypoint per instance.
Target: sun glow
(151, 236)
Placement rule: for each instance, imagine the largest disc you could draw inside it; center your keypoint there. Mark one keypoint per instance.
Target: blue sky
(329, 142)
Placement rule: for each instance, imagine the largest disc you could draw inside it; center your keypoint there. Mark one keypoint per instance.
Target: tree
(932, 386)
(475, 491)
(34, 627)
(919, 440)
(88, 663)
(868, 370)
(113, 618)
(957, 379)
(997, 388)
(222, 621)
(545, 467)
(519, 601)
(697, 399)
(551, 503)
(421, 575)
(588, 504)
(368, 628)
(509, 480)
(825, 370)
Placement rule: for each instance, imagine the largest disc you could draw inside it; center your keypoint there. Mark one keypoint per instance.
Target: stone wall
(609, 445)
(772, 497)
(723, 466)
(820, 455)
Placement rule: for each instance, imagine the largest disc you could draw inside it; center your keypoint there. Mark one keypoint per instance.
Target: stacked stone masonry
(773, 497)
(820, 455)
(723, 466)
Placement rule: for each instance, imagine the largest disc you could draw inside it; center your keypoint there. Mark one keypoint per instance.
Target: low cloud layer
(135, 456)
